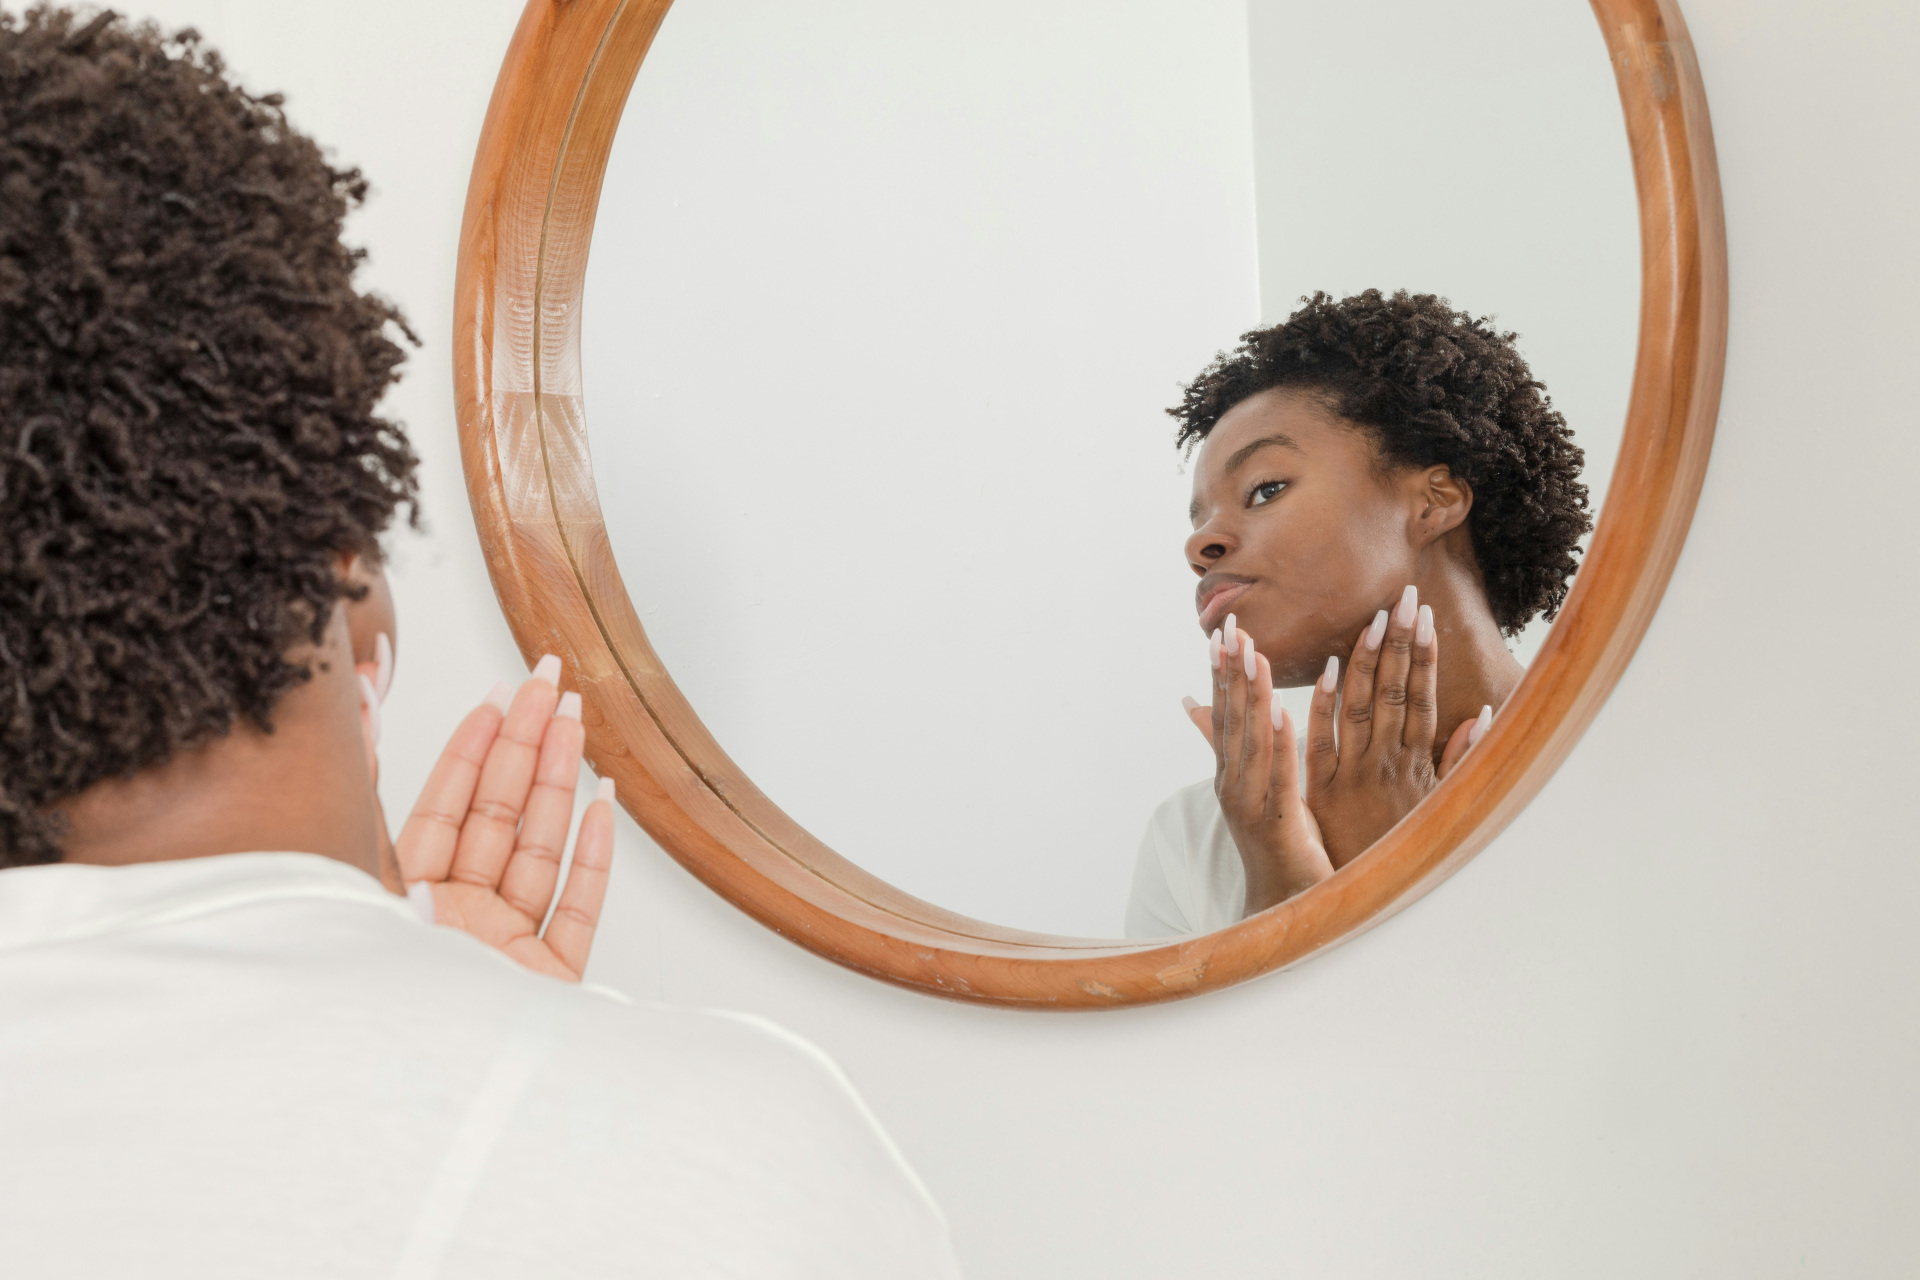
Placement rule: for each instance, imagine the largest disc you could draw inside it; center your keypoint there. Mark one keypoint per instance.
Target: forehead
(1299, 418)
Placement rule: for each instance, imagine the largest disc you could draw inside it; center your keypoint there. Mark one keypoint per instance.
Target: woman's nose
(1206, 546)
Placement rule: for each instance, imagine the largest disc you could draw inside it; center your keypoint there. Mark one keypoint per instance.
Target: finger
(570, 932)
(1390, 683)
(1262, 712)
(1356, 696)
(1222, 677)
(1202, 718)
(493, 820)
(1286, 761)
(1234, 691)
(1423, 705)
(432, 830)
(1463, 739)
(534, 869)
(1323, 750)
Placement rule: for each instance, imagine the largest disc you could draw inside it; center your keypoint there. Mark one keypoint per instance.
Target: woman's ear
(1442, 503)
(370, 619)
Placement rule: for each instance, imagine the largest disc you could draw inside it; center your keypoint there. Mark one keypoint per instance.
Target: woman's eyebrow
(1248, 450)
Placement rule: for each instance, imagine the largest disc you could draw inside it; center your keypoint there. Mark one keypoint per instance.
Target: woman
(1383, 495)
(229, 1046)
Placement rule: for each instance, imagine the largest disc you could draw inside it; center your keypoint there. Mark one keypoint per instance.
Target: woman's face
(1298, 531)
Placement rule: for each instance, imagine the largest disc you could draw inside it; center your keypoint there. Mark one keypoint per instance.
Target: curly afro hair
(1433, 386)
(188, 381)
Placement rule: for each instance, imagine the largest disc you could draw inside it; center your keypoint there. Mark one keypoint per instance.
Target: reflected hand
(1257, 776)
(490, 827)
(1368, 775)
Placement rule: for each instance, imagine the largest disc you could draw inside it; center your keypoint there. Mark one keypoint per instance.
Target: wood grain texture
(523, 436)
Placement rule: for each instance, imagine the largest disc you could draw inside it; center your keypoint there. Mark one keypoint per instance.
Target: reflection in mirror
(887, 310)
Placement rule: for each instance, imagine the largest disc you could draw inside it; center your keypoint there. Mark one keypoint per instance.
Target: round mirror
(884, 317)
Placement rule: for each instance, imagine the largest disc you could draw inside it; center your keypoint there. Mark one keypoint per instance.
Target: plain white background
(1664, 1026)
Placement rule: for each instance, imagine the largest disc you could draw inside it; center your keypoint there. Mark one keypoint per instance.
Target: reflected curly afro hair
(187, 389)
(1433, 386)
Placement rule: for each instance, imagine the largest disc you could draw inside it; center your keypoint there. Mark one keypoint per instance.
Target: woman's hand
(487, 834)
(1369, 773)
(1257, 776)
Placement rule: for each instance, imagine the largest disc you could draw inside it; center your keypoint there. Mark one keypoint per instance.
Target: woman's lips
(1215, 611)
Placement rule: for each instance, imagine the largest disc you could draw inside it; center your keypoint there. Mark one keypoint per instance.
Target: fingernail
(501, 696)
(420, 894)
(569, 708)
(383, 665)
(1378, 631)
(1423, 629)
(371, 701)
(1278, 712)
(548, 669)
(1247, 652)
(604, 791)
(1403, 612)
(1233, 637)
(1190, 704)
(1331, 676)
(1480, 726)
(1213, 649)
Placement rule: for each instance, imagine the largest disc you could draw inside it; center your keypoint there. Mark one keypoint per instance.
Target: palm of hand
(489, 831)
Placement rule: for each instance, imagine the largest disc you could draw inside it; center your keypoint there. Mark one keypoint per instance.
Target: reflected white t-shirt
(266, 1065)
(1188, 877)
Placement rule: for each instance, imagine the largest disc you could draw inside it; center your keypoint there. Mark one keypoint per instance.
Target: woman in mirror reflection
(1383, 496)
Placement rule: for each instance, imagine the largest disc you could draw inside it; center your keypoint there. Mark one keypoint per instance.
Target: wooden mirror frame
(523, 436)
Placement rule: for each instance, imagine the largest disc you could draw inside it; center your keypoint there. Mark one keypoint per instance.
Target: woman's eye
(1266, 493)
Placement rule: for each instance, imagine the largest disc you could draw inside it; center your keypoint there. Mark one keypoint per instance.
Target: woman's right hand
(1257, 776)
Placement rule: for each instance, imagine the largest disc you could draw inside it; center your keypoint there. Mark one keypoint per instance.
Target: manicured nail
(1331, 676)
(604, 791)
(1378, 631)
(1248, 653)
(1214, 649)
(1480, 726)
(420, 894)
(1233, 637)
(382, 665)
(548, 669)
(1403, 612)
(1423, 628)
(371, 701)
(569, 708)
(1279, 714)
(1190, 704)
(501, 696)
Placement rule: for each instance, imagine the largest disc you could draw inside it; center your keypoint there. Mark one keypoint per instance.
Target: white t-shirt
(265, 1065)
(1188, 877)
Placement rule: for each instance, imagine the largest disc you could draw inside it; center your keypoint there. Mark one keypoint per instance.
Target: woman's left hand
(1257, 778)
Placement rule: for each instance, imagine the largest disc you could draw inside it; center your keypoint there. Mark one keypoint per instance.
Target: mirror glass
(887, 302)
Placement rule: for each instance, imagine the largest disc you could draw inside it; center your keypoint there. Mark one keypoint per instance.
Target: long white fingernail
(420, 894)
(501, 696)
(1247, 653)
(548, 669)
(569, 708)
(1232, 632)
(1403, 612)
(604, 791)
(1423, 627)
(371, 701)
(1331, 676)
(1378, 631)
(1213, 649)
(382, 665)
(1190, 704)
(1481, 724)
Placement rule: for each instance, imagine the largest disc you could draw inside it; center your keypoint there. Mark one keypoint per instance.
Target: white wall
(1663, 1027)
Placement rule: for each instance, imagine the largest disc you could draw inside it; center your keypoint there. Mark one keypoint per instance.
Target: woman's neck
(1476, 668)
